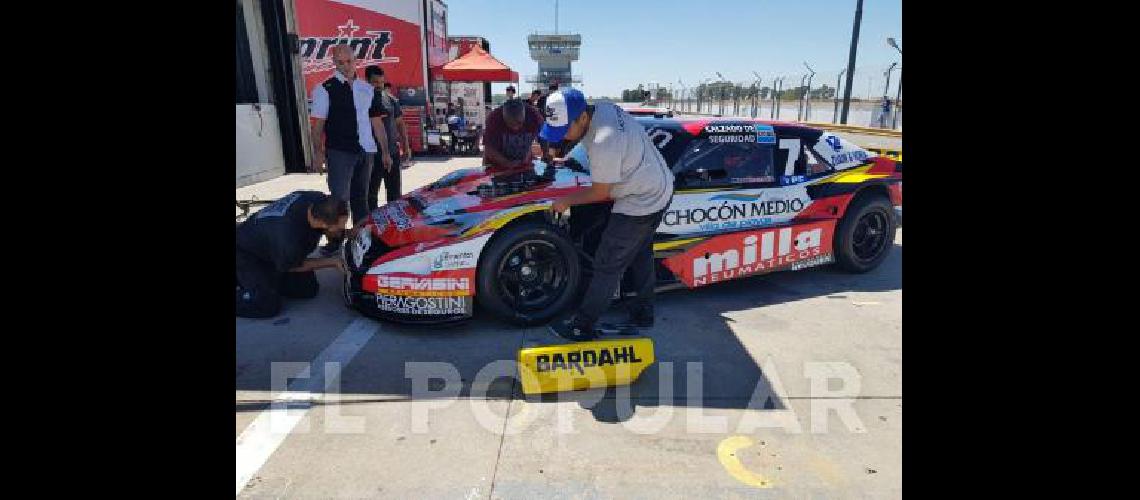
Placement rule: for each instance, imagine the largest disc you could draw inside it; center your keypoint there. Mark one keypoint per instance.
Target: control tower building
(554, 52)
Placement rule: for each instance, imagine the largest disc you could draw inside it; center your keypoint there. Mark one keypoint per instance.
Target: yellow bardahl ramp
(584, 365)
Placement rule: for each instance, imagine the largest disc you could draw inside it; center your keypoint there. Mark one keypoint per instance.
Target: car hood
(461, 203)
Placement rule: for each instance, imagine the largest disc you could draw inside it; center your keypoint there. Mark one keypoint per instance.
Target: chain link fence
(875, 97)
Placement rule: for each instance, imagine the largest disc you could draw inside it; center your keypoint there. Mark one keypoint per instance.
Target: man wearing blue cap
(626, 167)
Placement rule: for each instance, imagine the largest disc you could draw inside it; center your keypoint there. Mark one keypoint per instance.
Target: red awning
(475, 66)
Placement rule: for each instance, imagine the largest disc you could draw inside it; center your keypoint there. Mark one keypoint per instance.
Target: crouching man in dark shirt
(273, 247)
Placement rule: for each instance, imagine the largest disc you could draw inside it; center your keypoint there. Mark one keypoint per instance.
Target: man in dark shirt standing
(273, 246)
(396, 132)
(401, 127)
(511, 129)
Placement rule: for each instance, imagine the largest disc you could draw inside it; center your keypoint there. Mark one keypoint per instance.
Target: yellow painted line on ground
(726, 453)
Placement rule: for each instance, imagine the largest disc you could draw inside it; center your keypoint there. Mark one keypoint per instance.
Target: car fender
(504, 217)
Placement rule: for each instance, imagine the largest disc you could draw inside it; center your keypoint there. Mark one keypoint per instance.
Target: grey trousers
(349, 176)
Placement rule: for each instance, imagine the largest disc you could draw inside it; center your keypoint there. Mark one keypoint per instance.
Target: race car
(751, 197)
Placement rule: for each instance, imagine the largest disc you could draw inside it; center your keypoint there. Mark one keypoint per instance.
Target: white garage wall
(259, 156)
(259, 150)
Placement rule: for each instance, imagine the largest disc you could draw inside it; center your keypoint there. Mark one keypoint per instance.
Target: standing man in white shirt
(349, 123)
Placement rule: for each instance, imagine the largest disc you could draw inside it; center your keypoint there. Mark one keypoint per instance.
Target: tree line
(728, 91)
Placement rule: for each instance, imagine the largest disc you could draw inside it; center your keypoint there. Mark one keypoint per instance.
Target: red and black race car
(751, 197)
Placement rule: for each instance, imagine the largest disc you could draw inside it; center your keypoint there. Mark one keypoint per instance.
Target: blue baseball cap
(562, 108)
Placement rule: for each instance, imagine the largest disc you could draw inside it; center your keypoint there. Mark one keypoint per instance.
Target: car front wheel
(528, 274)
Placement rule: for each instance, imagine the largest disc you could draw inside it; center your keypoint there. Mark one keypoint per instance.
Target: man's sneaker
(641, 316)
(572, 329)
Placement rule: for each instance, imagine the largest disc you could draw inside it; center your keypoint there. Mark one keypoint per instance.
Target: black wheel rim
(870, 236)
(532, 275)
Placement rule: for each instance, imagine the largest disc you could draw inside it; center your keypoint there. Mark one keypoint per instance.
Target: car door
(728, 178)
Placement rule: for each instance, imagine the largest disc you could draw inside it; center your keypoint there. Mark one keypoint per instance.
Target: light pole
(756, 92)
(851, 59)
(800, 108)
(736, 91)
(720, 100)
(703, 90)
(685, 95)
(898, 95)
(777, 96)
(886, 88)
(807, 103)
(682, 85)
(775, 86)
(772, 111)
(835, 113)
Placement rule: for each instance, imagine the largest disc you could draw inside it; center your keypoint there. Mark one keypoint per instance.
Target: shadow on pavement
(475, 359)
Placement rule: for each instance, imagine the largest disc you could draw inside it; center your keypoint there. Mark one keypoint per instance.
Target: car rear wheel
(865, 234)
(528, 274)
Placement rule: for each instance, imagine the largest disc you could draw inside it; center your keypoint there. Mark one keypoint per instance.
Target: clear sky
(626, 42)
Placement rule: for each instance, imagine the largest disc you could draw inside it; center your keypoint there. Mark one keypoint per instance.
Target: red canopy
(475, 66)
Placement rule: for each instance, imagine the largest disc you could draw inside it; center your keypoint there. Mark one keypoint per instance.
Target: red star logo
(348, 28)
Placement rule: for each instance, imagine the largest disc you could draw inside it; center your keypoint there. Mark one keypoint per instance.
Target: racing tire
(348, 290)
(865, 235)
(528, 274)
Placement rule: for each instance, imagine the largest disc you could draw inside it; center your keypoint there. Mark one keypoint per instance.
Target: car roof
(680, 123)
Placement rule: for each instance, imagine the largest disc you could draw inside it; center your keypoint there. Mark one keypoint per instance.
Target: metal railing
(875, 98)
(543, 78)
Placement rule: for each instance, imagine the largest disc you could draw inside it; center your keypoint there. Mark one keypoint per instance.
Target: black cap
(511, 88)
